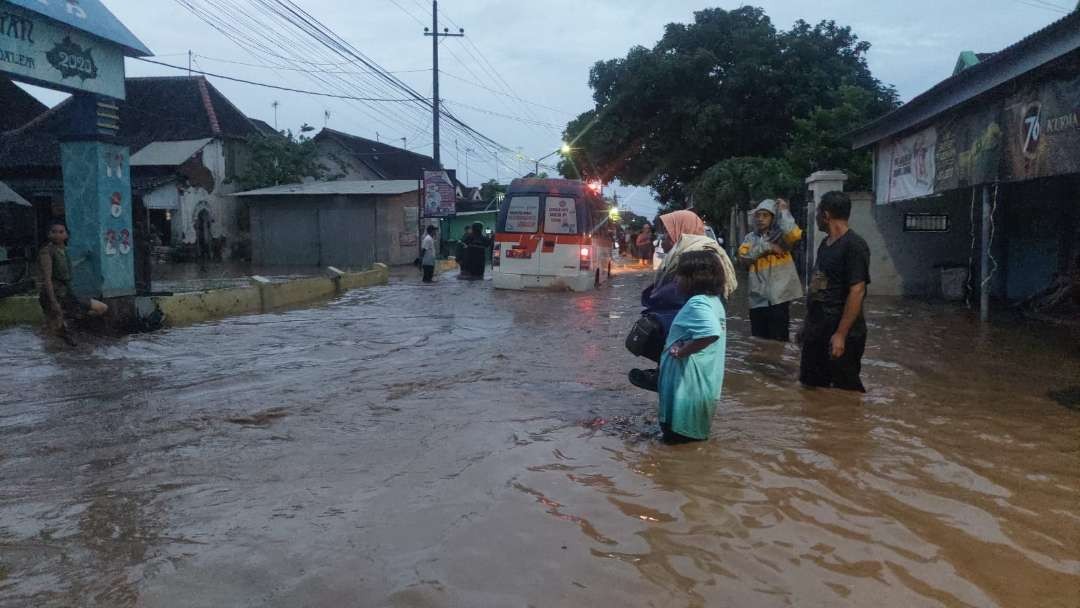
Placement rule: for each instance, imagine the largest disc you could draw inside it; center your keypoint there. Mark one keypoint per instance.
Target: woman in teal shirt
(692, 366)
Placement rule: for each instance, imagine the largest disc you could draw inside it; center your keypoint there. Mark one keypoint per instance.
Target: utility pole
(435, 35)
(275, 105)
(189, 63)
(467, 152)
(404, 143)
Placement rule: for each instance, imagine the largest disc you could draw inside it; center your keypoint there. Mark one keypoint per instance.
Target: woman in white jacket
(774, 280)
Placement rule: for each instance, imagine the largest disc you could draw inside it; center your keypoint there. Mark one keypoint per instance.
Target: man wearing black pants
(834, 335)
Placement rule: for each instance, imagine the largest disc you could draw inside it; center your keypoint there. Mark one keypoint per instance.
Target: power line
(1044, 5)
(270, 86)
(504, 93)
(506, 116)
(316, 34)
(305, 69)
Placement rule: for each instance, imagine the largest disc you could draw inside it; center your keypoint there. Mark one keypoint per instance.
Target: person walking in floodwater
(692, 366)
(427, 260)
(645, 246)
(476, 248)
(834, 334)
(774, 280)
(57, 298)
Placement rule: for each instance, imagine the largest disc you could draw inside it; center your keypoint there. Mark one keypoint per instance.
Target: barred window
(926, 222)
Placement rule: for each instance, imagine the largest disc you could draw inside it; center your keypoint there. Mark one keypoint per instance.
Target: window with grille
(926, 222)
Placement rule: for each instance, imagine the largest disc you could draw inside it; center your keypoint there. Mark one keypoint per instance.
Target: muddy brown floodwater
(456, 446)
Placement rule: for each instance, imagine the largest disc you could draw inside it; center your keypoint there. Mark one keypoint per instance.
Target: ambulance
(552, 234)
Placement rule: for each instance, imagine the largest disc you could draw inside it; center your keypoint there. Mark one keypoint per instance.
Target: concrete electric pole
(435, 35)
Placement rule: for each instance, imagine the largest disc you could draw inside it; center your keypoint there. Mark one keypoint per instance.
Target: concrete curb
(195, 307)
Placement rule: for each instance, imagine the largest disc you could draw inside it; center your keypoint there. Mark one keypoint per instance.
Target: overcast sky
(544, 49)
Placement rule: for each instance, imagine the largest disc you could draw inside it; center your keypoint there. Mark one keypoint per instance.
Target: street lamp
(564, 150)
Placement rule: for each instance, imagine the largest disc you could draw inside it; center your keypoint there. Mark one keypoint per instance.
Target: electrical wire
(269, 86)
(293, 16)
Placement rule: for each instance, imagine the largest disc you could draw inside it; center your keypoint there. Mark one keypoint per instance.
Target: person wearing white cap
(774, 280)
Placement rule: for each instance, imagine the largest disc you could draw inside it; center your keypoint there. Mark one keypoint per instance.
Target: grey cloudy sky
(544, 49)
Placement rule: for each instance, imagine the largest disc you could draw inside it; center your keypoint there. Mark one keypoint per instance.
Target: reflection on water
(452, 445)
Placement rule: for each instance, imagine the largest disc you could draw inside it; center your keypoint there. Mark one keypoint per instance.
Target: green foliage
(280, 159)
(490, 189)
(728, 86)
(740, 182)
(819, 141)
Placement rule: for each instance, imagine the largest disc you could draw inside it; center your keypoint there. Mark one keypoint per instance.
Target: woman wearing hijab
(684, 232)
(774, 280)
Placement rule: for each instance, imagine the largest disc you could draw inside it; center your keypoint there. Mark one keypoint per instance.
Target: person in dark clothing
(834, 333)
(57, 297)
(476, 247)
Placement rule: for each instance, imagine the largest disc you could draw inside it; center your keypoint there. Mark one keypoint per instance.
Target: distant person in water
(476, 248)
(427, 259)
(57, 298)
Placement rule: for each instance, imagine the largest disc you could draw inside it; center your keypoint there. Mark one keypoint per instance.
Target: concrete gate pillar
(818, 184)
(97, 203)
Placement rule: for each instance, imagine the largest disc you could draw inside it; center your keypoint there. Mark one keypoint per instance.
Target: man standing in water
(427, 261)
(774, 280)
(57, 298)
(834, 335)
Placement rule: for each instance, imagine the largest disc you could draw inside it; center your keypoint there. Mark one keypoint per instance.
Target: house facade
(188, 144)
(982, 171)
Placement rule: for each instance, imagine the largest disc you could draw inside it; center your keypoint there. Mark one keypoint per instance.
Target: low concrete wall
(188, 308)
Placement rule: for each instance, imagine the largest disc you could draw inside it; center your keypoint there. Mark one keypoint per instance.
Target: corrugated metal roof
(7, 195)
(384, 187)
(1038, 49)
(168, 153)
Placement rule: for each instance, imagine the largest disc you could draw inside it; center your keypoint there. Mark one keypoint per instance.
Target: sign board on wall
(440, 195)
(44, 52)
(968, 149)
(1042, 125)
(1034, 133)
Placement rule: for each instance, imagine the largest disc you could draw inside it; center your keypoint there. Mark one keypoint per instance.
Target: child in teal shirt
(692, 366)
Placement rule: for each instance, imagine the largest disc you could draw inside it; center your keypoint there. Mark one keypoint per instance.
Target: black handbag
(646, 338)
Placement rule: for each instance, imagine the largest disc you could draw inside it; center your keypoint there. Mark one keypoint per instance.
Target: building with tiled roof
(19, 106)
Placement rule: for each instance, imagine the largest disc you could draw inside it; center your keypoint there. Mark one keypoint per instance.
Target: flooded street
(456, 446)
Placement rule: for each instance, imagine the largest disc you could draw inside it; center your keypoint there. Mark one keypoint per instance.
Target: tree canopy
(280, 159)
(727, 88)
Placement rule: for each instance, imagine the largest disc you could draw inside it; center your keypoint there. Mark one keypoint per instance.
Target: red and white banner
(909, 167)
(440, 195)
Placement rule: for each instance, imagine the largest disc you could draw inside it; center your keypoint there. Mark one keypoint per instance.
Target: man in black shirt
(834, 336)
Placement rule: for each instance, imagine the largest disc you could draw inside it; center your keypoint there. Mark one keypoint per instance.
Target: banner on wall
(440, 195)
(908, 167)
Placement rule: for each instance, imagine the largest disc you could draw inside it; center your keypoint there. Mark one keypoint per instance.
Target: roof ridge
(215, 126)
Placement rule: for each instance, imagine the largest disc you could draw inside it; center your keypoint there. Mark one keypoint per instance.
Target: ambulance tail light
(496, 256)
(586, 258)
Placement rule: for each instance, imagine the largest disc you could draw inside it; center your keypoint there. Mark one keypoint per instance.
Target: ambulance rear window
(523, 214)
(561, 215)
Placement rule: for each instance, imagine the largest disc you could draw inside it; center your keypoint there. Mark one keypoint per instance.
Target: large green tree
(280, 159)
(727, 86)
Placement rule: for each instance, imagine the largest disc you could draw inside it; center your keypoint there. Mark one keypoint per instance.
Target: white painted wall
(223, 208)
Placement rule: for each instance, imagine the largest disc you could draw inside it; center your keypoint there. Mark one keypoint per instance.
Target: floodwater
(455, 446)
